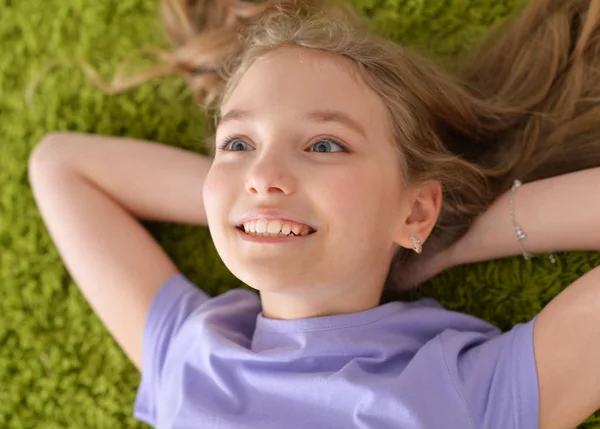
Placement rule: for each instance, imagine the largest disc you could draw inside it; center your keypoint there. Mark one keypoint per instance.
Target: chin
(268, 279)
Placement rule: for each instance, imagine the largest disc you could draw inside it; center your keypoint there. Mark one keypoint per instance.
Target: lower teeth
(256, 234)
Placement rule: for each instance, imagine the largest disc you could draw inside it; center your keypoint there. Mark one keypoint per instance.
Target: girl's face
(305, 136)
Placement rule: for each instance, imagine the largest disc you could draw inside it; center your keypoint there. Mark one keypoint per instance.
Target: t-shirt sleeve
(172, 305)
(496, 378)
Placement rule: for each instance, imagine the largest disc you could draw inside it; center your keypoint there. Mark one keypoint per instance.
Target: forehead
(295, 80)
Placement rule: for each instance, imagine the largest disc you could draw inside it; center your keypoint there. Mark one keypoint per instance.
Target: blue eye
(235, 143)
(324, 144)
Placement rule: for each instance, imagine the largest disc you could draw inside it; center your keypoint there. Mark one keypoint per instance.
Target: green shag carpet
(59, 367)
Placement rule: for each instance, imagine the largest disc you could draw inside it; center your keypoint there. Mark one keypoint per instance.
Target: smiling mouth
(297, 232)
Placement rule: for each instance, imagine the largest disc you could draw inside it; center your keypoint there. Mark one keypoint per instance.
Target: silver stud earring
(417, 245)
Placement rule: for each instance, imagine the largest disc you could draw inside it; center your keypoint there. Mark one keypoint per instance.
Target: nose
(270, 174)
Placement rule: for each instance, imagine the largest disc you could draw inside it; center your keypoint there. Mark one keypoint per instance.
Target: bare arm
(90, 190)
(541, 208)
(559, 213)
(151, 180)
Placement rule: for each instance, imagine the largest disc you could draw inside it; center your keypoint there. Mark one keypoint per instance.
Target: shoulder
(428, 318)
(492, 372)
(181, 318)
(180, 302)
(495, 374)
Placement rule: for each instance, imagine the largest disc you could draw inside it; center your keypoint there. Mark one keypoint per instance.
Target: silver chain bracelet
(519, 233)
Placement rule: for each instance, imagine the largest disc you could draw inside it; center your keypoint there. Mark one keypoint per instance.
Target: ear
(425, 203)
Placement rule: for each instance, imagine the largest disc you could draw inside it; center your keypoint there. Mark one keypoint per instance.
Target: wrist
(486, 238)
(556, 214)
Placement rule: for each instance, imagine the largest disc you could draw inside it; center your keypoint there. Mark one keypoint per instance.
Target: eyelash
(231, 139)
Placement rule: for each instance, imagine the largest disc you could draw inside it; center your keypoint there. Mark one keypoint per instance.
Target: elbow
(46, 155)
(49, 150)
(46, 147)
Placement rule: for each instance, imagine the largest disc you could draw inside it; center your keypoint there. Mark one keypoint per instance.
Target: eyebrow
(320, 116)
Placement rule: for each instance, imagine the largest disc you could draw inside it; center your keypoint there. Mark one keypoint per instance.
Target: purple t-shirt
(218, 363)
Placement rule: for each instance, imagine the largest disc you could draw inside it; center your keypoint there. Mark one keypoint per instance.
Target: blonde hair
(527, 104)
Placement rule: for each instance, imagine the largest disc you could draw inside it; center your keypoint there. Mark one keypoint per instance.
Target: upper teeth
(274, 227)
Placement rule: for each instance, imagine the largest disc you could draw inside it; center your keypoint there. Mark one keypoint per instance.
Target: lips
(263, 219)
(275, 228)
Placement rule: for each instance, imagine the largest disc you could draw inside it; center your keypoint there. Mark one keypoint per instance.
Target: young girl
(344, 168)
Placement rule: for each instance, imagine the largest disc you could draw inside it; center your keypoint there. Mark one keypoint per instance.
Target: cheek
(215, 193)
(364, 205)
(348, 203)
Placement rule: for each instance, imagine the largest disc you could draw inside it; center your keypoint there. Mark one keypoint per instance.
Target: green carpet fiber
(59, 367)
